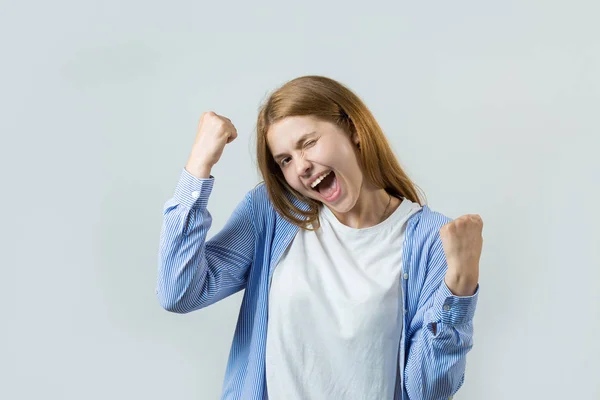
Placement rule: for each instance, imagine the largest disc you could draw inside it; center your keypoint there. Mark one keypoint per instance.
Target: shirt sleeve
(194, 272)
(436, 361)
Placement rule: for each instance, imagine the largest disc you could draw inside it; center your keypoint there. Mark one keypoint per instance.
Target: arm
(443, 334)
(193, 272)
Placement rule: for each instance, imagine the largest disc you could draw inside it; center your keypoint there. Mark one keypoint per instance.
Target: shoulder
(260, 198)
(425, 225)
(431, 219)
(259, 201)
(255, 209)
(264, 215)
(264, 212)
(258, 194)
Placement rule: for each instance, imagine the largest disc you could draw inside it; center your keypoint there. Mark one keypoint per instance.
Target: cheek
(292, 180)
(345, 159)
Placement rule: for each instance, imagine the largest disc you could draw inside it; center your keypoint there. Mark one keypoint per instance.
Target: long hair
(328, 100)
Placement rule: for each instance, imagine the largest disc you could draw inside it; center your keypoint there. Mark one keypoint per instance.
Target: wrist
(200, 171)
(461, 284)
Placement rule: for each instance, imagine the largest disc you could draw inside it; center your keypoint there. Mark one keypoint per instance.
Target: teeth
(319, 179)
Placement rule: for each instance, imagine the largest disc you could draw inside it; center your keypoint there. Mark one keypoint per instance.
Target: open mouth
(328, 187)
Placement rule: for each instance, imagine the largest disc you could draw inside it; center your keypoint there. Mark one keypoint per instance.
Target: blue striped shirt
(194, 273)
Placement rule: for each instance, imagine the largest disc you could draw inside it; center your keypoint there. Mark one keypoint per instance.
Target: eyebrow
(298, 144)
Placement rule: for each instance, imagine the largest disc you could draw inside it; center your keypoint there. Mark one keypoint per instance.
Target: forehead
(285, 132)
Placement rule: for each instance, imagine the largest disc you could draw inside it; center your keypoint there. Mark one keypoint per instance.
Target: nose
(303, 167)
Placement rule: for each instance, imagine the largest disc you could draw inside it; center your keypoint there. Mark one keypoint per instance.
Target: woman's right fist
(214, 132)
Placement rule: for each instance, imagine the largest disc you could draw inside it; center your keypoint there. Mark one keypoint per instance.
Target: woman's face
(305, 148)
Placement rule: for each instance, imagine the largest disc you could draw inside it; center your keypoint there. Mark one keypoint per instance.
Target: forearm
(437, 354)
(182, 256)
(195, 272)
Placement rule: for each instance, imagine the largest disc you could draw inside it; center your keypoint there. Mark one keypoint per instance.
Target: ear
(355, 140)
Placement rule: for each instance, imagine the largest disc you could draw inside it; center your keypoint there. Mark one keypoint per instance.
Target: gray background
(492, 108)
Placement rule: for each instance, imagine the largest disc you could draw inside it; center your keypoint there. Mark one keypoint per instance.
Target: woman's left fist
(462, 242)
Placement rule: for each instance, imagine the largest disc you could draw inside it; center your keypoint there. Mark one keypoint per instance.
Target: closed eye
(283, 162)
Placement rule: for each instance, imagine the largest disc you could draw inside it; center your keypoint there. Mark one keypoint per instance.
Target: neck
(373, 206)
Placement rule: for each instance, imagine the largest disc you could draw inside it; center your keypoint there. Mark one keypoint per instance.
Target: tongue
(327, 185)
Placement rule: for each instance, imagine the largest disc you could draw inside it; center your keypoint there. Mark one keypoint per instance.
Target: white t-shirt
(335, 311)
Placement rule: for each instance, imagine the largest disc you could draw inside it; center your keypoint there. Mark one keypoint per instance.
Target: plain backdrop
(491, 107)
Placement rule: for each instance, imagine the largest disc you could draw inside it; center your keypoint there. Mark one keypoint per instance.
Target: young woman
(353, 289)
